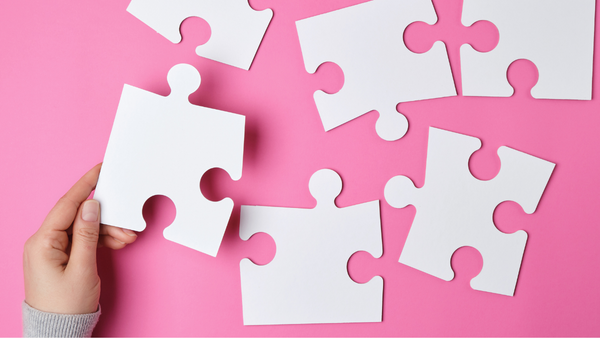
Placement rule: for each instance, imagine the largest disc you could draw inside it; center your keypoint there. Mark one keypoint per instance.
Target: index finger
(62, 215)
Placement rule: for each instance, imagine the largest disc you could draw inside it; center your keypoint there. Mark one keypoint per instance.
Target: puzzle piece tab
(556, 35)
(308, 281)
(367, 42)
(454, 209)
(162, 146)
(236, 29)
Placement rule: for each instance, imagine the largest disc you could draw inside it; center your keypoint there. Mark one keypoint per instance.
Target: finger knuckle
(117, 245)
(28, 245)
(51, 240)
(66, 199)
(88, 234)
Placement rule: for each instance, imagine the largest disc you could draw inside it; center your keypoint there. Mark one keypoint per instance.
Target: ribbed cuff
(37, 323)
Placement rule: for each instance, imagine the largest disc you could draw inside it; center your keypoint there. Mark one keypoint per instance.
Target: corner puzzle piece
(236, 29)
(454, 209)
(367, 42)
(307, 281)
(162, 146)
(556, 35)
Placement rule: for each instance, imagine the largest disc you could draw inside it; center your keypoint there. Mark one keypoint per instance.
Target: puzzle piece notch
(162, 146)
(379, 71)
(556, 35)
(420, 36)
(307, 281)
(522, 75)
(454, 209)
(236, 29)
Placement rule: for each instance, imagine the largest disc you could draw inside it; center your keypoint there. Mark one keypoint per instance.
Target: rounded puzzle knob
(391, 125)
(325, 185)
(399, 191)
(183, 79)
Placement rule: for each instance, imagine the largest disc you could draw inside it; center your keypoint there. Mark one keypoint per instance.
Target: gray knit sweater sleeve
(37, 323)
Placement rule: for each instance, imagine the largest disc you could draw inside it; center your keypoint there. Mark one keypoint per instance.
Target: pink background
(63, 65)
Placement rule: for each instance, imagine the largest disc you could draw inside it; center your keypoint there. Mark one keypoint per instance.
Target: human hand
(60, 272)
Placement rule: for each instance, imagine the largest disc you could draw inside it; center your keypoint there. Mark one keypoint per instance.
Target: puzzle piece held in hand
(556, 35)
(366, 41)
(308, 281)
(162, 146)
(454, 209)
(236, 29)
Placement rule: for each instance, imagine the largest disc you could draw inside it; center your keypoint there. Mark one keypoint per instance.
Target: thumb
(86, 230)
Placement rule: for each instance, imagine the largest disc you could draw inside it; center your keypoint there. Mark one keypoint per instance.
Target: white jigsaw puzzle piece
(454, 209)
(236, 29)
(162, 146)
(367, 42)
(307, 281)
(556, 35)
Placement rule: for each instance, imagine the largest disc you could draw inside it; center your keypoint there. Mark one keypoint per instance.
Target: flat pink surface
(63, 65)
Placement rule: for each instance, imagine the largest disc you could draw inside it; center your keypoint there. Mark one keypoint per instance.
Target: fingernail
(118, 241)
(129, 232)
(90, 211)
